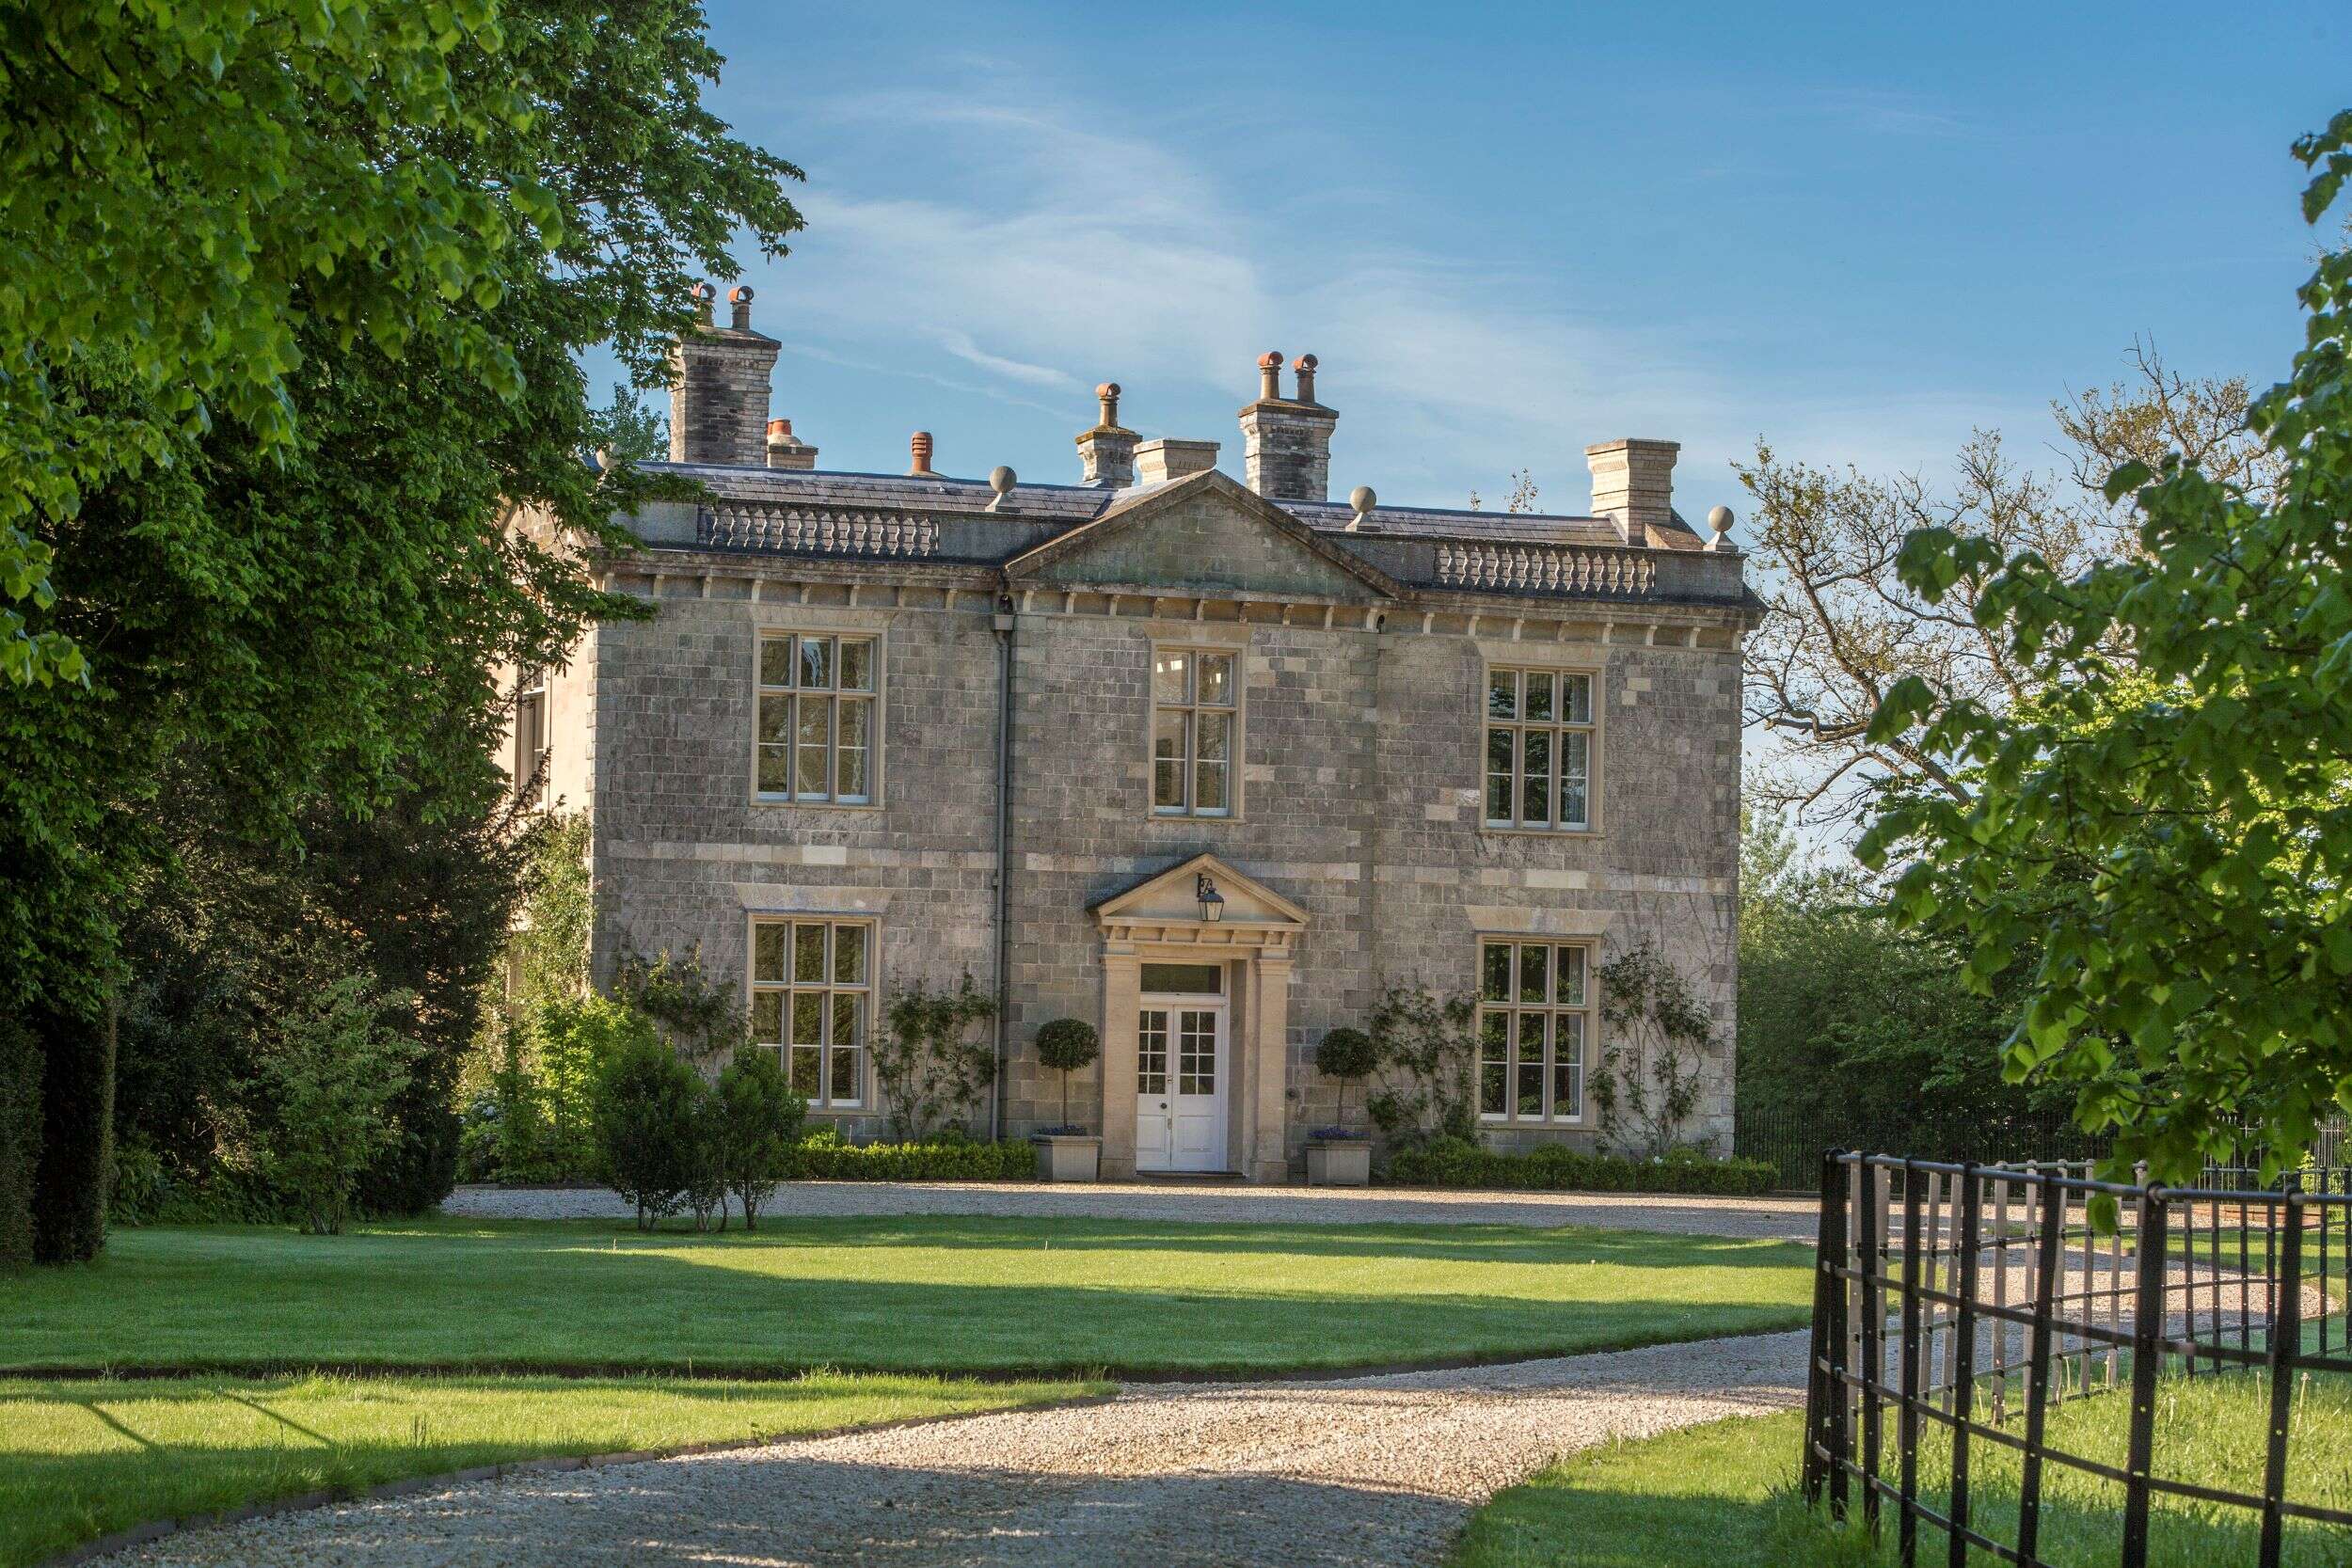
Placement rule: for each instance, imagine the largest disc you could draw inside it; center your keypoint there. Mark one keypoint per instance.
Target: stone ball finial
(1363, 501)
(1720, 521)
(604, 459)
(1002, 479)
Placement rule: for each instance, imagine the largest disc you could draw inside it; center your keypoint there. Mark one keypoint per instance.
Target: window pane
(1530, 1065)
(1171, 678)
(1213, 736)
(1538, 696)
(776, 661)
(1494, 1059)
(848, 1020)
(775, 720)
(1197, 979)
(1570, 976)
(1496, 966)
(767, 1017)
(857, 724)
(1531, 1101)
(814, 732)
(1575, 759)
(1535, 973)
(1576, 699)
(808, 1017)
(1567, 1071)
(808, 954)
(806, 1060)
(1499, 775)
(1502, 694)
(845, 1065)
(1152, 1052)
(857, 665)
(849, 954)
(776, 769)
(767, 952)
(1535, 781)
(1168, 762)
(1196, 1052)
(1217, 679)
(817, 661)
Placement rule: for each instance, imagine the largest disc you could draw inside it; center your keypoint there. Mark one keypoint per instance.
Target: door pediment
(1204, 533)
(1166, 908)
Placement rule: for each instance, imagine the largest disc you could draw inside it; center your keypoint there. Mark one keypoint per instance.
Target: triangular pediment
(1173, 897)
(1203, 534)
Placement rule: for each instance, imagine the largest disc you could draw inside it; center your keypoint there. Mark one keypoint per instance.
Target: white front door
(1180, 1086)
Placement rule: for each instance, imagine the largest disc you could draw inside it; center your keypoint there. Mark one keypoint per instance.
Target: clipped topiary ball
(1067, 1044)
(1344, 1054)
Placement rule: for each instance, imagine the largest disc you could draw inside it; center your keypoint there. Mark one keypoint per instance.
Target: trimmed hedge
(823, 1157)
(1556, 1167)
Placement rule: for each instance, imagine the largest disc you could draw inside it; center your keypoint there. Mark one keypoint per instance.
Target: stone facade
(1355, 854)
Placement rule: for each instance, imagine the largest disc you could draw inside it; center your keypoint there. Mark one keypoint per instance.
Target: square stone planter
(1068, 1157)
(1339, 1163)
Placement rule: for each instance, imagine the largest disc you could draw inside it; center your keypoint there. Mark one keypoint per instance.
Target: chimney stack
(1106, 453)
(719, 387)
(919, 455)
(1159, 461)
(1286, 442)
(1633, 485)
(786, 449)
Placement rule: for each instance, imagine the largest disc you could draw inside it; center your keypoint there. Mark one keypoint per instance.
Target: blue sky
(1509, 231)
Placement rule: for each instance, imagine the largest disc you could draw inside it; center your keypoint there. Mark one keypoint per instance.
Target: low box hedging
(823, 1156)
(1555, 1167)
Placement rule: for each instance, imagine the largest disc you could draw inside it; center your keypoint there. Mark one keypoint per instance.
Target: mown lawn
(81, 1458)
(895, 1294)
(1724, 1494)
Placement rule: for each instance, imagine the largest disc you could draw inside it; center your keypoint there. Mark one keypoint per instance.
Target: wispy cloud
(1045, 252)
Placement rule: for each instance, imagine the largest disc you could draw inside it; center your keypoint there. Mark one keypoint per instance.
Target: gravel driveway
(1746, 1218)
(1368, 1471)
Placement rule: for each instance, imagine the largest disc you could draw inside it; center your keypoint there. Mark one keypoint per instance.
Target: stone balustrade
(1509, 568)
(816, 531)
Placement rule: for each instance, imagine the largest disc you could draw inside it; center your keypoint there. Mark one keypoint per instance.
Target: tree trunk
(76, 1163)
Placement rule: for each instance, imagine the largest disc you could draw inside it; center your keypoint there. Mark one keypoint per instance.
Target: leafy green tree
(760, 1119)
(2164, 840)
(337, 1062)
(626, 431)
(648, 1122)
(1346, 1057)
(316, 485)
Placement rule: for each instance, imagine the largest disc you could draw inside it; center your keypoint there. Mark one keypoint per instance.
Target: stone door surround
(1256, 937)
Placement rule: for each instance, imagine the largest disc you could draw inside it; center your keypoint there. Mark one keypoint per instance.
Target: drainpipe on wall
(1005, 641)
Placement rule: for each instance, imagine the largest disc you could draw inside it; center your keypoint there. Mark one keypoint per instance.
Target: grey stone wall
(1359, 800)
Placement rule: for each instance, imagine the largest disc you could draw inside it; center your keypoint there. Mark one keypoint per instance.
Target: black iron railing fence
(1973, 1298)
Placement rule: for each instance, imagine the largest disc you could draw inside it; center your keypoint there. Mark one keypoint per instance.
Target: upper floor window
(1539, 749)
(1535, 1027)
(531, 738)
(817, 734)
(812, 990)
(1195, 717)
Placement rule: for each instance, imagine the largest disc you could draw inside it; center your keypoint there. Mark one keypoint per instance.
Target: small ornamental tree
(1655, 1032)
(1345, 1055)
(928, 1067)
(645, 1111)
(760, 1119)
(1068, 1045)
(334, 1066)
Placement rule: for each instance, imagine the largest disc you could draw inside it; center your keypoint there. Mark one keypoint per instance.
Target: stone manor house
(1207, 759)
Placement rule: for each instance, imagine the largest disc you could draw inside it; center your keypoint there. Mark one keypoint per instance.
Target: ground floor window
(812, 999)
(1535, 1028)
